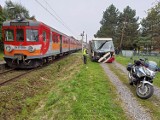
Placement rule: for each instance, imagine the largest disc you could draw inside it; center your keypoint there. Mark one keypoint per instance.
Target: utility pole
(86, 40)
(82, 34)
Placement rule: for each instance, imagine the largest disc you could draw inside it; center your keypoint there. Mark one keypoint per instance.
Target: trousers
(84, 59)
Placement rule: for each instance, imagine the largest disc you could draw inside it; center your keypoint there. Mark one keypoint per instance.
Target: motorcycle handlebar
(139, 62)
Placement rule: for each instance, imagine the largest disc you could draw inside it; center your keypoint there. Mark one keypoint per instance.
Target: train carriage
(30, 43)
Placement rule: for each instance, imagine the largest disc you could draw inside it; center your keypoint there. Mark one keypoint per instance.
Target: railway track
(6, 71)
(12, 74)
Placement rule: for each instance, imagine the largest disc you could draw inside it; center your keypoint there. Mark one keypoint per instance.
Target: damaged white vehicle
(102, 50)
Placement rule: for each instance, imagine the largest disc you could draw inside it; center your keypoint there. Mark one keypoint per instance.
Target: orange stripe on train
(25, 52)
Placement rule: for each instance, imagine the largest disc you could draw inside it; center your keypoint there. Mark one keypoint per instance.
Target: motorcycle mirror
(146, 59)
(141, 59)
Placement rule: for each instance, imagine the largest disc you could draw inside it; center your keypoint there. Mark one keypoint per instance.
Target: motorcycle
(141, 74)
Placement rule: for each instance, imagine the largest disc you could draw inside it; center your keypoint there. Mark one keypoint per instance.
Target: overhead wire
(55, 13)
(56, 17)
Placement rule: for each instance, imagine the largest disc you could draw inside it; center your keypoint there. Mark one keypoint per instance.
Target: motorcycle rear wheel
(146, 92)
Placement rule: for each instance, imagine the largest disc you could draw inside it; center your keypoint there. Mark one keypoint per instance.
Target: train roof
(53, 29)
(27, 22)
(106, 39)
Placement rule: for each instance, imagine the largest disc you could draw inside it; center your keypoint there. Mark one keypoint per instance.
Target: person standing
(84, 55)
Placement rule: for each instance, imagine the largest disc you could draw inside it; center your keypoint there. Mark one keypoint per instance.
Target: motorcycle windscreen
(152, 65)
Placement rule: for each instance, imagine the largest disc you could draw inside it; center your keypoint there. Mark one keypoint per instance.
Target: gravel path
(132, 108)
(123, 68)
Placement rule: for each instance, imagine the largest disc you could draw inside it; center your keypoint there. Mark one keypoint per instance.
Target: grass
(1, 55)
(85, 95)
(22, 96)
(63, 90)
(125, 60)
(152, 104)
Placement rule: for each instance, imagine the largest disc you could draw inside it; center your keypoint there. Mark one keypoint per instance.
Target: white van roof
(107, 39)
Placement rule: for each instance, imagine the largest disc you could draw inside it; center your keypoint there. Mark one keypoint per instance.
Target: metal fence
(154, 56)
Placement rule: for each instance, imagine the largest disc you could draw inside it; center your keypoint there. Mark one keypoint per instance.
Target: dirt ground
(156, 89)
(132, 108)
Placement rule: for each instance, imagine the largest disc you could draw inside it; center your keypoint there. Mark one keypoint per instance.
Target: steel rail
(45, 65)
(6, 71)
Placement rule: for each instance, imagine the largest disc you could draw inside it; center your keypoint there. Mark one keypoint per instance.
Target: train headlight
(9, 48)
(31, 49)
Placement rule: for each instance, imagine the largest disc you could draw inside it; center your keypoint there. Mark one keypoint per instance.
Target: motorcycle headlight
(31, 49)
(8, 48)
(153, 73)
(148, 73)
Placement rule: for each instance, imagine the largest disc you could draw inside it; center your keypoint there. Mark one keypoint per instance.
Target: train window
(9, 35)
(20, 35)
(44, 36)
(54, 38)
(58, 39)
(32, 35)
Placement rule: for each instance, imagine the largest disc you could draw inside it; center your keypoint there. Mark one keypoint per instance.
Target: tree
(122, 27)
(2, 18)
(151, 26)
(11, 9)
(127, 29)
(108, 23)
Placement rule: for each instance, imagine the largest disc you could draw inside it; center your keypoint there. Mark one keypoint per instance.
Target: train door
(69, 44)
(45, 39)
(50, 42)
(60, 43)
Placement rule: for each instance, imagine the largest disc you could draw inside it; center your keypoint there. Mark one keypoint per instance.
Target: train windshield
(9, 35)
(20, 35)
(32, 35)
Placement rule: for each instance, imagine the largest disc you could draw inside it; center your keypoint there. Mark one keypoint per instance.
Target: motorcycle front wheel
(144, 92)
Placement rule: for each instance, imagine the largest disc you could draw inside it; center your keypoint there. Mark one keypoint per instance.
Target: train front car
(23, 43)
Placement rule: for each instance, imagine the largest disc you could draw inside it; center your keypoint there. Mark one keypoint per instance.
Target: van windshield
(104, 45)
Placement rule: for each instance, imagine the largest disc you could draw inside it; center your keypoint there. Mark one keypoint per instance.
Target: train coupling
(20, 56)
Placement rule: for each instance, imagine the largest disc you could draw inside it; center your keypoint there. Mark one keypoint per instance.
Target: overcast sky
(77, 16)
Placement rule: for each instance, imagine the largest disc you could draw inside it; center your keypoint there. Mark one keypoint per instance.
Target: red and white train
(30, 43)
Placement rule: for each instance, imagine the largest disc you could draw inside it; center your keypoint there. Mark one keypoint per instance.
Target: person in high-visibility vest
(85, 55)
